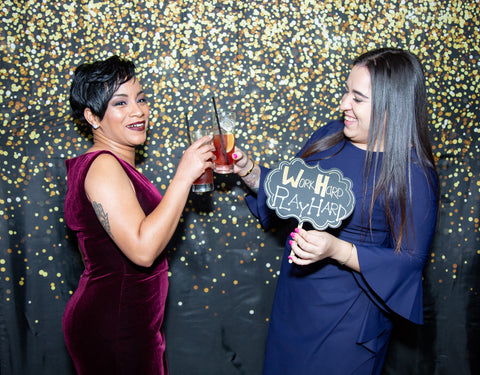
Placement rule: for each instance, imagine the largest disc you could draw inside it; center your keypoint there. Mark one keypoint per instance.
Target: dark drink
(205, 182)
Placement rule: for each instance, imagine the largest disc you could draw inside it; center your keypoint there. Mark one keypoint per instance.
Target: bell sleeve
(393, 280)
(257, 203)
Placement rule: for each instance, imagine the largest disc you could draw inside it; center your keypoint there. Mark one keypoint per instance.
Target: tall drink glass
(205, 182)
(225, 142)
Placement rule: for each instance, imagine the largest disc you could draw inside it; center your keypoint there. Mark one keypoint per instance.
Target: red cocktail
(224, 141)
(224, 157)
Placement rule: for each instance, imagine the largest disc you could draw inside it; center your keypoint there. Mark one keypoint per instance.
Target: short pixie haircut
(95, 83)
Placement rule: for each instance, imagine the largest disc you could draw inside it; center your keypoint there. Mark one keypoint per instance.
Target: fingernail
(234, 156)
(292, 235)
(297, 230)
(290, 242)
(289, 257)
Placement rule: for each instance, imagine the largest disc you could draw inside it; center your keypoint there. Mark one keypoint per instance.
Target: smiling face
(357, 106)
(126, 119)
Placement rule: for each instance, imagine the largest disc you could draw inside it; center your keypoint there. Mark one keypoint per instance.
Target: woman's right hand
(246, 169)
(196, 159)
(241, 162)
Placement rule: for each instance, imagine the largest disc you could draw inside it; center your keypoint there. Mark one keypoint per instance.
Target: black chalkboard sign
(323, 198)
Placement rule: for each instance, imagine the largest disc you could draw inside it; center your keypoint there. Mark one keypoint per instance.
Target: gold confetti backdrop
(280, 64)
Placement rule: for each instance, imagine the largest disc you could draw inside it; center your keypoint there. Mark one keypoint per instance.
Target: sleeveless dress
(328, 319)
(113, 322)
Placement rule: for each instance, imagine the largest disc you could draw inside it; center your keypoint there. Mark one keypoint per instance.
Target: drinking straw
(220, 131)
(188, 128)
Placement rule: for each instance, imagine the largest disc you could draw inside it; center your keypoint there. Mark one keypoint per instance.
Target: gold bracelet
(350, 257)
(249, 171)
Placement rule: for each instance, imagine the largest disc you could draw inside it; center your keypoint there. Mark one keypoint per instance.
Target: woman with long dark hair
(340, 289)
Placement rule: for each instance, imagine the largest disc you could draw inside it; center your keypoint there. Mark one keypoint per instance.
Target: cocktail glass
(204, 183)
(224, 141)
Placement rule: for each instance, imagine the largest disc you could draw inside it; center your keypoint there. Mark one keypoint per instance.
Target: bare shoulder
(106, 174)
(106, 161)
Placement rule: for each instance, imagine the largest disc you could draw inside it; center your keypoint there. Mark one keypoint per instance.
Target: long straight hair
(399, 118)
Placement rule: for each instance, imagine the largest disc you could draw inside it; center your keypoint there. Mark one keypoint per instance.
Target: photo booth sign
(323, 198)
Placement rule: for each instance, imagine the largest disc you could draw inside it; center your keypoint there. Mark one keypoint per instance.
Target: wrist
(182, 180)
(346, 260)
(249, 170)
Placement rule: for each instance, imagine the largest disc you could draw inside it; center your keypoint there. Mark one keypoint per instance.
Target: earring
(95, 126)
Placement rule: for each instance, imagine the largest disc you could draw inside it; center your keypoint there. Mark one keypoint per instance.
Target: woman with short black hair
(113, 323)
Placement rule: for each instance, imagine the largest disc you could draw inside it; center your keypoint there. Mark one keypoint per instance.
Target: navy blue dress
(329, 319)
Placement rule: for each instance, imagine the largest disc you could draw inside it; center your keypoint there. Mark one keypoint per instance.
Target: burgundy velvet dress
(113, 322)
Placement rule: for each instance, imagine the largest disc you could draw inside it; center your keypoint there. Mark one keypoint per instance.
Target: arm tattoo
(252, 180)
(102, 217)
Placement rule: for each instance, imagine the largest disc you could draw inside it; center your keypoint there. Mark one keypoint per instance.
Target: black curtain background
(282, 65)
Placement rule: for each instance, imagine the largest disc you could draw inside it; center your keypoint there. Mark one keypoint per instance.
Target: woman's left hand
(310, 246)
(313, 245)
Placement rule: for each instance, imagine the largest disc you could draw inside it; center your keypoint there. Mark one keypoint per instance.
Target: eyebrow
(356, 92)
(125, 95)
